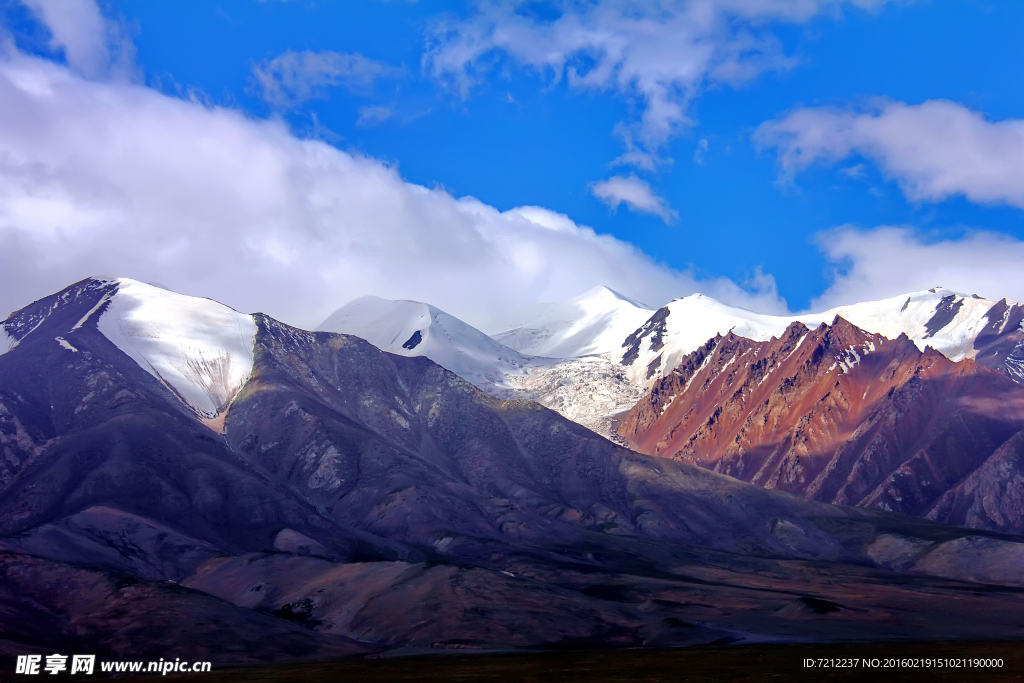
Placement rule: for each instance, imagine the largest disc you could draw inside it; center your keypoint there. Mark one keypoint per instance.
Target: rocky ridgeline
(839, 415)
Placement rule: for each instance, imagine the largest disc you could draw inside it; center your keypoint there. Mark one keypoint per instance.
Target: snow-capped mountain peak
(587, 390)
(593, 323)
(412, 328)
(683, 325)
(602, 296)
(957, 325)
(201, 350)
(946, 320)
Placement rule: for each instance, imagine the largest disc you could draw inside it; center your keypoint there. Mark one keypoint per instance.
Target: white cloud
(700, 151)
(855, 172)
(635, 193)
(660, 52)
(92, 45)
(888, 261)
(371, 116)
(292, 78)
(120, 179)
(933, 150)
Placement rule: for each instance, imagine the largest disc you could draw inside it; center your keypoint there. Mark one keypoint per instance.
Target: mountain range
(844, 416)
(912, 429)
(178, 478)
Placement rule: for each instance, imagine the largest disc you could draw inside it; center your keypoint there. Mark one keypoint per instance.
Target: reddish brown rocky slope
(843, 416)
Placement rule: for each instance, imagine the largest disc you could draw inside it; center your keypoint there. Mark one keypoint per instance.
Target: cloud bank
(119, 179)
(887, 261)
(92, 46)
(934, 150)
(101, 176)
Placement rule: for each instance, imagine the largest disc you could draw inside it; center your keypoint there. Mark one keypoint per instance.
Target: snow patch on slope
(100, 304)
(6, 341)
(1015, 367)
(202, 350)
(65, 344)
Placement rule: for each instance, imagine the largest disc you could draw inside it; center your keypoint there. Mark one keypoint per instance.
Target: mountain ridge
(835, 414)
(614, 350)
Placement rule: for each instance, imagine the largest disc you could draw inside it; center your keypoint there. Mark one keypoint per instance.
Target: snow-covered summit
(678, 328)
(201, 350)
(411, 328)
(594, 323)
(947, 321)
(650, 343)
(587, 358)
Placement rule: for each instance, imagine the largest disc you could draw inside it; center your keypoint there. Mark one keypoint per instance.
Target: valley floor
(709, 664)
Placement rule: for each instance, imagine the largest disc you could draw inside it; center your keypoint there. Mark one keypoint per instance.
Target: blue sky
(814, 115)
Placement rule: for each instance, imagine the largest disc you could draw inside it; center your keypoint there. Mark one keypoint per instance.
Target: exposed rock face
(837, 415)
(992, 496)
(355, 495)
(1000, 344)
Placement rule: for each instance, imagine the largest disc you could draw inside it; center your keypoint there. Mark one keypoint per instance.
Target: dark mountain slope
(88, 427)
(990, 497)
(405, 449)
(49, 607)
